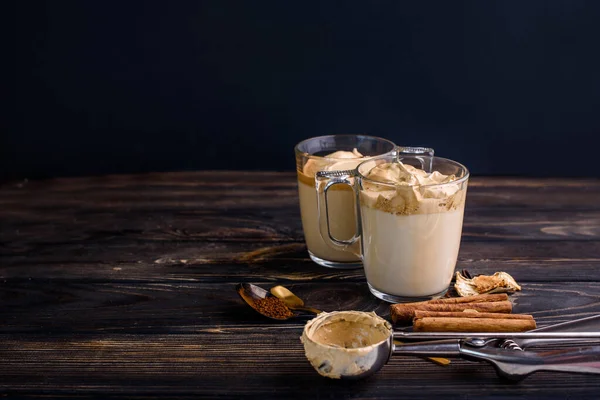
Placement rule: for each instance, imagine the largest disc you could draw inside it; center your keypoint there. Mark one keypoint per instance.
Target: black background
(506, 87)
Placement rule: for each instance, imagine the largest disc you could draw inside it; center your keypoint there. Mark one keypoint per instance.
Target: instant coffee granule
(273, 307)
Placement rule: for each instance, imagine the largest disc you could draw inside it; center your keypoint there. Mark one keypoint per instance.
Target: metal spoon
(296, 303)
(250, 293)
(291, 300)
(511, 364)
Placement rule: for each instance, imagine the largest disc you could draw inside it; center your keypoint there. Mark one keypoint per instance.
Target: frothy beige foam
(336, 161)
(341, 343)
(410, 190)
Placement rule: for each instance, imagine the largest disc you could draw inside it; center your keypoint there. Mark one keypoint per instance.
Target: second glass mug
(407, 236)
(313, 155)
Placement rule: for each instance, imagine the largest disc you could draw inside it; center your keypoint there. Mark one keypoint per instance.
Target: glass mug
(311, 158)
(408, 236)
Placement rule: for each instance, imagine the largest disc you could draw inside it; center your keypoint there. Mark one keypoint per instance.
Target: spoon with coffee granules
(268, 305)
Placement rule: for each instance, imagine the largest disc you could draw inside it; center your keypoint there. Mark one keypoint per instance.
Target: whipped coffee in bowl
(332, 153)
(347, 344)
(411, 215)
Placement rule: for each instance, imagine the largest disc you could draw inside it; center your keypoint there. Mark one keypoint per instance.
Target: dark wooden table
(124, 286)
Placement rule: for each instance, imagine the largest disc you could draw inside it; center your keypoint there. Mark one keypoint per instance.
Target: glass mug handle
(324, 180)
(422, 154)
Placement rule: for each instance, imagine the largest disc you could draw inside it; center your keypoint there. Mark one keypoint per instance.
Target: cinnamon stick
(406, 311)
(467, 314)
(453, 324)
(480, 298)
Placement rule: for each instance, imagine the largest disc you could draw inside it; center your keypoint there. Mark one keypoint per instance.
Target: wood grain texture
(123, 286)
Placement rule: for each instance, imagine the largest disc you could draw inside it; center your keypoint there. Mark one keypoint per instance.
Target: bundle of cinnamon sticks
(481, 313)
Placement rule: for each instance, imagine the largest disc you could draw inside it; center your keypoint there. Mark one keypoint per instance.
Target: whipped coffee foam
(337, 161)
(410, 190)
(342, 343)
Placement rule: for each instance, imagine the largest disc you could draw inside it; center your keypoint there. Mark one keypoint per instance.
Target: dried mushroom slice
(500, 282)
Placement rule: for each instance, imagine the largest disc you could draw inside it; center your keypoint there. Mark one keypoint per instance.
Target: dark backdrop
(506, 87)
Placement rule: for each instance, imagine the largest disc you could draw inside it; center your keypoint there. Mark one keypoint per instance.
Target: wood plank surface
(123, 286)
